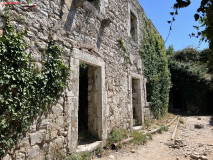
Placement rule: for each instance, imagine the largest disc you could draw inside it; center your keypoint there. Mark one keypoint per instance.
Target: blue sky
(158, 11)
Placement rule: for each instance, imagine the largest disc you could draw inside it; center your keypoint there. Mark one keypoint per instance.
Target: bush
(191, 79)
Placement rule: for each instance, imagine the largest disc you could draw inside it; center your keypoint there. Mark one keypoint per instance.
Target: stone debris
(112, 157)
(132, 151)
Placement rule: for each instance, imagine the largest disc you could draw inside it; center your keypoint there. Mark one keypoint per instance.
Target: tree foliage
(204, 16)
(25, 91)
(191, 78)
(156, 69)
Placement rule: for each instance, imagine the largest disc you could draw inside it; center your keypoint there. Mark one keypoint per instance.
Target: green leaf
(196, 16)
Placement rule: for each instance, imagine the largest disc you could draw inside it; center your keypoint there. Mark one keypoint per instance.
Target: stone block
(33, 152)
(38, 137)
(45, 123)
(57, 109)
(20, 156)
(7, 157)
(24, 142)
(59, 142)
(60, 121)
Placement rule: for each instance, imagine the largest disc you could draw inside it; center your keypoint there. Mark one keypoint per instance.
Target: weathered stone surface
(86, 35)
(33, 152)
(68, 3)
(59, 142)
(57, 110)
(38, 137)
(7, 157)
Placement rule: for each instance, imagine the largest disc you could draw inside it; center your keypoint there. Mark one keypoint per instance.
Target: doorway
(136, 102)
(89, 109)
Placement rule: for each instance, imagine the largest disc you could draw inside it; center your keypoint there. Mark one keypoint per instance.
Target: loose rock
(132, 151)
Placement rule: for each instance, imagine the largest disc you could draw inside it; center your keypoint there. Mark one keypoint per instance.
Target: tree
(170, 50)
(205, 16)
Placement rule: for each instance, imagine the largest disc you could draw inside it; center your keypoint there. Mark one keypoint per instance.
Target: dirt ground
(191, 143)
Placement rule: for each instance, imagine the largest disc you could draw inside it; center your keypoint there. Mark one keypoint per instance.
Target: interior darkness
(83, 102)
(133, 26)
(95, 2)
(135, 118)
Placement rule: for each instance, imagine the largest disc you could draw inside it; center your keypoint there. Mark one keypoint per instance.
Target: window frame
(132, 10)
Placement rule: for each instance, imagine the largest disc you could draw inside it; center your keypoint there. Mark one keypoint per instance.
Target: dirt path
(191, 143)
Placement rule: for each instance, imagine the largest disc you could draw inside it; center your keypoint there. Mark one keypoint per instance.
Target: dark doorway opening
(90, 98)
(83, 132)
(136, 103)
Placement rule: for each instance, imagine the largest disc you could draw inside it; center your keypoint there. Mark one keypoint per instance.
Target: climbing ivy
(156, 70)
(25, 91)
(124, 50)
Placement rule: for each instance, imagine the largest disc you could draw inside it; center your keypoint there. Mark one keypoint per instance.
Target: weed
(148, 123)
(163, 128)
(149, 135)
(81, 156)
(139, 137)
(99, 151)
(116, 136)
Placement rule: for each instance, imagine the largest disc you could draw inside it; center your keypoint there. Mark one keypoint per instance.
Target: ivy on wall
(25, 91)
(156, 70)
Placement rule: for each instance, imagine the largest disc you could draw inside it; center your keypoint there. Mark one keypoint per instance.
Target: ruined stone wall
(84, 35)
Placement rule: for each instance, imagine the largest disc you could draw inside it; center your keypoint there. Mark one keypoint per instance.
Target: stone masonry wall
(89, 34)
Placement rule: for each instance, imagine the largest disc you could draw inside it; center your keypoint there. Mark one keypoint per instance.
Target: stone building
(105, 36)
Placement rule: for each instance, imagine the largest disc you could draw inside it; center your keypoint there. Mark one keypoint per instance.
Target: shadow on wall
(100, 36)
(70, 17)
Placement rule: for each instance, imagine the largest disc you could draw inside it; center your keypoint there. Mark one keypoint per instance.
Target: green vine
(25, 92)
(126, 57)
(156, 69)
